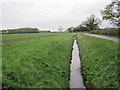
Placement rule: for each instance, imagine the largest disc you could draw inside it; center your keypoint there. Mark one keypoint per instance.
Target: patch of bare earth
(23, 39)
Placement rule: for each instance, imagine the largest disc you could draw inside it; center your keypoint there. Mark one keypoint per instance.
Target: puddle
(76, 80)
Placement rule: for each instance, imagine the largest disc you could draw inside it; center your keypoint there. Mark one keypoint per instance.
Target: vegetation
(7, 37)
(20, 30)
(44, 61)
(70, 29)
(112, 12)
(60, 29)
(106, 32)
(100, 62)
(110, 29)
(37, 60)
(80, 28)
(91, 23)
(38, 63)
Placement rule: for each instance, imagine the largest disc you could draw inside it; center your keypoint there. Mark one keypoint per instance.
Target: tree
(70, 29)
(78, 28)
(60, 29)
(112, 13)
(21, 30)
(91, 23)
(83, 28)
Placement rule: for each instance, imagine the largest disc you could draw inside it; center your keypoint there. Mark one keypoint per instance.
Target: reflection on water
(76, 80)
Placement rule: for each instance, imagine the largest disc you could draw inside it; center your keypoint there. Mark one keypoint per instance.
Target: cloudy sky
(48, 14)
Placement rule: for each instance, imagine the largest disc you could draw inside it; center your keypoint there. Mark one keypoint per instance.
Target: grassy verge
(100, 62)
(37, 63)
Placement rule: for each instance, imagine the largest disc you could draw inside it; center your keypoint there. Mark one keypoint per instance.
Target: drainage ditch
(76, 79)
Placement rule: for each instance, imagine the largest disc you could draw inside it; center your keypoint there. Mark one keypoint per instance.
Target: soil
(23, 39)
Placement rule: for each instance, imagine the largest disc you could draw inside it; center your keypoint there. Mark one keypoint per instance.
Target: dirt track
(23, 39)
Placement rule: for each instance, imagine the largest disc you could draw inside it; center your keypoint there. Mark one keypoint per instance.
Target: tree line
(20, 30)
(110, 13)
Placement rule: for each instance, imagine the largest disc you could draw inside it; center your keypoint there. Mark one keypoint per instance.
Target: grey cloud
(48, 14)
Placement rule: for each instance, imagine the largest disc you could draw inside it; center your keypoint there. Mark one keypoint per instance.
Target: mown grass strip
(37, 63)
(100, 62)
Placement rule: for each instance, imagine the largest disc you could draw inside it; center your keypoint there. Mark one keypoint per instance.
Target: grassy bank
(37, 63)
(100, 62)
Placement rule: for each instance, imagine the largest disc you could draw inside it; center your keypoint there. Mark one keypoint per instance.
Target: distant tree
(112, 13)
(83, 28)
(77, 28)
(80, 28)
(91, 23)
(21, 30)
(60, 29)
(70, 29)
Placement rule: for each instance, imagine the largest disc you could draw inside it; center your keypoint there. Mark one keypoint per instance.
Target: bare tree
(60, 29)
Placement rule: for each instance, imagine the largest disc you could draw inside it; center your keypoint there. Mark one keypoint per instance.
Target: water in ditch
(76, 80)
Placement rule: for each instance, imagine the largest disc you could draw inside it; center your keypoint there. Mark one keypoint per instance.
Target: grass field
(42, 62)
(7, 37)
(100, 62)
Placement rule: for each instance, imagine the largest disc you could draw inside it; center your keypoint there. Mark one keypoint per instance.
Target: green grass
(43, 62)
(37, 63)
(28, 35)
(100, 61)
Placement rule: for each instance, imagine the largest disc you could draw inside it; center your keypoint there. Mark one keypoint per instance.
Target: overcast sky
(48, 14)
